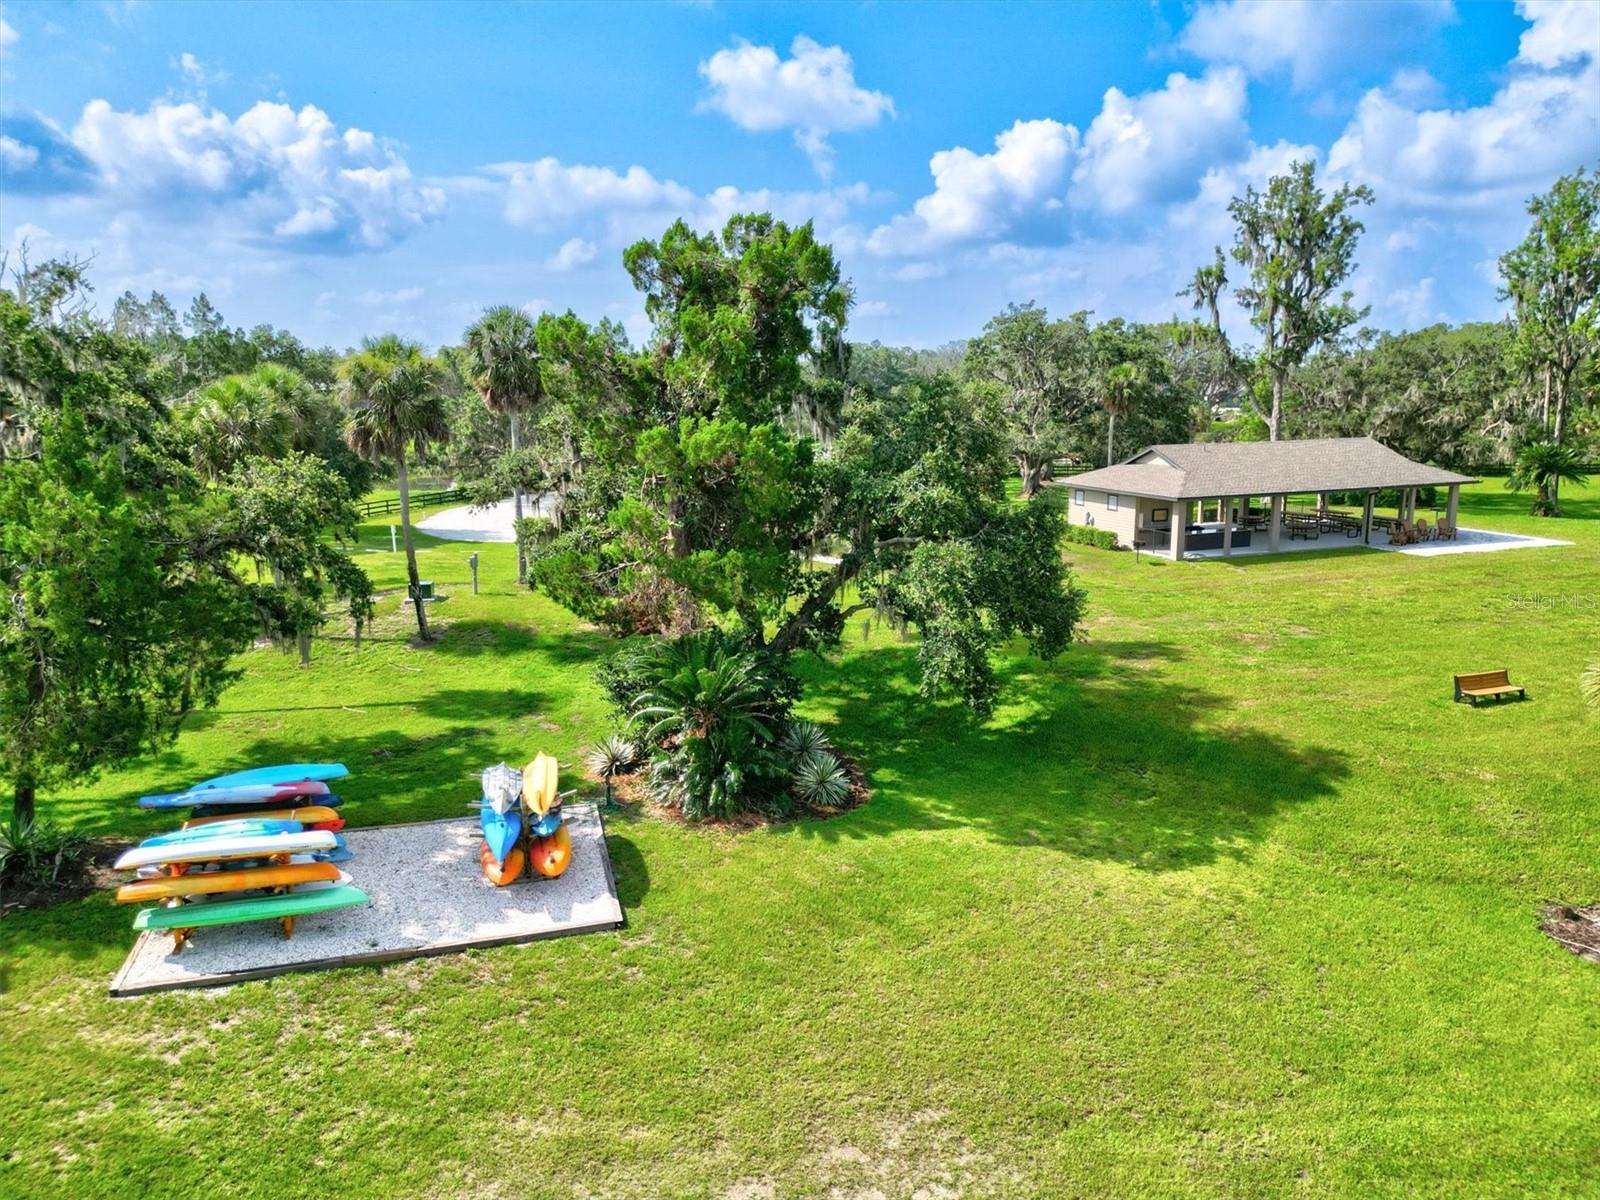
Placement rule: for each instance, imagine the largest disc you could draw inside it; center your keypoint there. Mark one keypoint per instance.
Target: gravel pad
(428, 897)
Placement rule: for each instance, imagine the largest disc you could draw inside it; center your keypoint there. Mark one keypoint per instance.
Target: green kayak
(263, 908)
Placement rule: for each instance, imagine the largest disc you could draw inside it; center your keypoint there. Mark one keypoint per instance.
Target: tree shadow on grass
(1101, 755)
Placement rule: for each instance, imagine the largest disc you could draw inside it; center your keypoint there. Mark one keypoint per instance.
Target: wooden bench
(1481, 685)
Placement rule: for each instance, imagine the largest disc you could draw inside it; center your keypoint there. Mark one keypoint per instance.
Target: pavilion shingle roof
(1205, 470)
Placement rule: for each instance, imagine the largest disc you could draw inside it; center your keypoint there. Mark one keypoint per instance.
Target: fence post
(472, 561)
(392, 546)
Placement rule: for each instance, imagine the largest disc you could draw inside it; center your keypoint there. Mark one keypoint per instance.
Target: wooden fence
(382, 508)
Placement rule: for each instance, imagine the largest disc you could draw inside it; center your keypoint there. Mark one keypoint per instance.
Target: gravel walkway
(428, 897)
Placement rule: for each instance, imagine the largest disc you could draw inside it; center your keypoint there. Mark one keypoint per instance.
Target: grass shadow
(1099, 755)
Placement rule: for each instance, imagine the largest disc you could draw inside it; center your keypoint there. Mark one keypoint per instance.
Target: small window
(1077, 495)
(1111, 503)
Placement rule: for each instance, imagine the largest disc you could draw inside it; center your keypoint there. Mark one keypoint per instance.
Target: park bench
(1480, 685)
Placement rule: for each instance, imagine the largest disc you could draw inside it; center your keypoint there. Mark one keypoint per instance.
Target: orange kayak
(206, 883)
(498, 873)
(552, 854)
(312, 816)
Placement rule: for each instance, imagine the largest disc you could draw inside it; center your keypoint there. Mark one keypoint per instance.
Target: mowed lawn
(1229, 901)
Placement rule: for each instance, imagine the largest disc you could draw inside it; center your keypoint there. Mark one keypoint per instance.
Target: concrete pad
(1466, 541)
(491, 523)
(428, 897)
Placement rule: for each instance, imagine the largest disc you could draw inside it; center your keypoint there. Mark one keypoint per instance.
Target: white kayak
(220, 849)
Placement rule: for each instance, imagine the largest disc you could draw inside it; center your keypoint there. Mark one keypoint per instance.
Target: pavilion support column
(1452, 505)
(1411, 504)
(1366, 520)
(1322, 500)
(1275, 524)
(1224, 508)
(1180, 520)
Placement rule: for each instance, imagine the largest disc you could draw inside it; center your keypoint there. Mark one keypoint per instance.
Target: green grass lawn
(1229, 901)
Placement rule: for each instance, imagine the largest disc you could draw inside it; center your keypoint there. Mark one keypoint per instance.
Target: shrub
(611, 756)
(819, 779)
(33, 853)
(1088, 535)
(710, 710)
(802, 738)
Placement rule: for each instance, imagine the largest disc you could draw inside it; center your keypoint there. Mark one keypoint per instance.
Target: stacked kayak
(258, 845)
(521, 821)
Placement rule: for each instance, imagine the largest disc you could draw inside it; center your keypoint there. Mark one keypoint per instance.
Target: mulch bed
(1576, 928)
(91, 873)
(628, 790)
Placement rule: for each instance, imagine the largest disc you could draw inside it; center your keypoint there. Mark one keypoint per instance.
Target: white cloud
(15, 155)
(1563, 31)
(374, 298)
(548, 194)
(1314, 39)
(1539, 124)
(272, 173)
(874, 309)
(619, 206)
(813, 92)
(982, 195)
(197, 72)
(574, 253)
(1416, 306)
(918, 272)
(1154, 146)
(8, 34)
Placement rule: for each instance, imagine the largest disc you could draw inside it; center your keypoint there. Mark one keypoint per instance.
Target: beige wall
(1120, 520)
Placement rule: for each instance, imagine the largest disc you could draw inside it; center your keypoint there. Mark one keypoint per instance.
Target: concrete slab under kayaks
(428, 897)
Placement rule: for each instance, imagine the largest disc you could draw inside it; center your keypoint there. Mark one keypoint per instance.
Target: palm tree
(1121, 389)
(1544, 467)
(238, 417)
(502, 360)
(394, 394)
(1207, 287)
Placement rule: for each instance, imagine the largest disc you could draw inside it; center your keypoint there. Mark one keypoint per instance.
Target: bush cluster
(706, 716)
(1088, 535)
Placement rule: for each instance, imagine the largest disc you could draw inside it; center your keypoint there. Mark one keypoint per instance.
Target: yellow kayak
(541, 780)
(209, 883)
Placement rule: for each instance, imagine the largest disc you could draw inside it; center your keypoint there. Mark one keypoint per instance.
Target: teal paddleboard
(262, 908)
(282, 773)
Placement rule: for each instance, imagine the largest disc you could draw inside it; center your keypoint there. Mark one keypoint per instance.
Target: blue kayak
(283, 773)
(223, 829)
(547, 824)
(500, 831)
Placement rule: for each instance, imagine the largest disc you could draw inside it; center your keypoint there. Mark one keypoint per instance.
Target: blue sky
(345, 169)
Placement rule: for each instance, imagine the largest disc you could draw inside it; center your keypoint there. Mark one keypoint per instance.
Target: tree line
(172, 488)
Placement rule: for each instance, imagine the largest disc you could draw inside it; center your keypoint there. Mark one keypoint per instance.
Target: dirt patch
(1578, 929)
(91, 873)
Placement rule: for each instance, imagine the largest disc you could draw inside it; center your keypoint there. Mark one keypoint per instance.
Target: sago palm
(706, 713)
(394, 397)
(1543, 467)
(502, 363)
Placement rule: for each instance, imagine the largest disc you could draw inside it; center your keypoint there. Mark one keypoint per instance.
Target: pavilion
(1150, 499)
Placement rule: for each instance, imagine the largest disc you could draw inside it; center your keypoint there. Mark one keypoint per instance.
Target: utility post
(472, 561)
